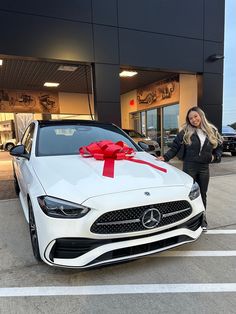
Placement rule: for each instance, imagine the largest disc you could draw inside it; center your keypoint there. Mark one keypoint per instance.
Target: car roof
(69, 122)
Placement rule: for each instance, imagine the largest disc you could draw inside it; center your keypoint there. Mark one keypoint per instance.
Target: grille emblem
(151, 218)
(147, 193)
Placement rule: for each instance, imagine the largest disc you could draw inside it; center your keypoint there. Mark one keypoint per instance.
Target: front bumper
(87, 252)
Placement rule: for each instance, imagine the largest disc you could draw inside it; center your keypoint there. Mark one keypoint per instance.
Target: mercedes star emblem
(151, 218)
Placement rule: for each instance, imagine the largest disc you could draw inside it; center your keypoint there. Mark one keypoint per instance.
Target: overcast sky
(229, 96)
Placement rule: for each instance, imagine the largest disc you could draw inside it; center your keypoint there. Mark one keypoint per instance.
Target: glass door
(170, 118)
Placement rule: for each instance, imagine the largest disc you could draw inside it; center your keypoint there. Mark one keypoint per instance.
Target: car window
(27, 139)
(67, 139)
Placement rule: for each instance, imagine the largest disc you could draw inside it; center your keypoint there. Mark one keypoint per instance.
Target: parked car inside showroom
(91, 196)
(153, 147)
(229, 143)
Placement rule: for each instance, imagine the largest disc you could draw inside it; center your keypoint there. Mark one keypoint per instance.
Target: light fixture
(51, 84)
(67, 68)
(128, 73)
(215, 57)
(1, 61)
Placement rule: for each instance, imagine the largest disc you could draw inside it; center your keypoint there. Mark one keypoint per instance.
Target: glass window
(67, 139)
(170, 124)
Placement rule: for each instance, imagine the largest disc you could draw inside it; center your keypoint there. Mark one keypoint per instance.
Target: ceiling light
(50, 84)
(1, 61)
(67, 68)
(128, 73)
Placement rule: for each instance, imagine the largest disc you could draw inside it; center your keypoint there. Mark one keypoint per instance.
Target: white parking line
(117, 289)
(194, 253)
(222, 231)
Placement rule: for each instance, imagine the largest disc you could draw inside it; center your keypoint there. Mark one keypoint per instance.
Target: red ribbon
(109, 152)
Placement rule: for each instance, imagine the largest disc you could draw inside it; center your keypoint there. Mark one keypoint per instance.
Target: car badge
(147, 193)
(151, 218)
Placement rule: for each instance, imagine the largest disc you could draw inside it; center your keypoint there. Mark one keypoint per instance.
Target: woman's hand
(161, 158)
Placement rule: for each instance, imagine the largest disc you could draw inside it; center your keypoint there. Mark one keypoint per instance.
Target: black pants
(200, 173)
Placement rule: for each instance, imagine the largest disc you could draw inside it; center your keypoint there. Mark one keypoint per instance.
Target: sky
(229, 96)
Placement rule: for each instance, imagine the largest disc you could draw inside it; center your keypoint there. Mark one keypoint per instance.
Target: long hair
(209, 129)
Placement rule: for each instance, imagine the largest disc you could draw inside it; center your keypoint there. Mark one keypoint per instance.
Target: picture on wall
(28, 101)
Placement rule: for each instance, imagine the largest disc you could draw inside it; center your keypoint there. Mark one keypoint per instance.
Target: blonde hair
(209, 129)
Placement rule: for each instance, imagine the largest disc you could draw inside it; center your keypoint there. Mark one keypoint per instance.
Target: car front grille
(131, 219)
(68, 248)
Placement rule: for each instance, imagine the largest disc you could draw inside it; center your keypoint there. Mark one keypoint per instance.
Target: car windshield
(67, 139)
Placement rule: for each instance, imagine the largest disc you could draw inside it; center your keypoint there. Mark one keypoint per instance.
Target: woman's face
(194, 119)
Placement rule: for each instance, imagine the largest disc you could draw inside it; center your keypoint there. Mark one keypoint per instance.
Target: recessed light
(1, 61)
(128, 73)
(67, 68)
(51, 84)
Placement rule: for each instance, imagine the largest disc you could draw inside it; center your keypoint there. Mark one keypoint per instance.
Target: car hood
(76, 178)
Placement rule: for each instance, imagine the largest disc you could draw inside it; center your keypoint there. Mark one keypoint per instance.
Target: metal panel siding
(214, 20)
(212, 88)
(78, 10)
(105, 12)
(43, 37)
(175, 17)
(160, 51)
(106, 44)
(212, 48)
(107, 83)
(109, 112)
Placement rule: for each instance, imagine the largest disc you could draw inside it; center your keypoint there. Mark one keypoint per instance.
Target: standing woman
(200, 144)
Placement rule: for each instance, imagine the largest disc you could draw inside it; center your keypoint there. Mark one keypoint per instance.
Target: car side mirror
(19, 151)
(145, 146)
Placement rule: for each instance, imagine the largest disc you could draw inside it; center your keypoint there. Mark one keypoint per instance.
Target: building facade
(181, 38)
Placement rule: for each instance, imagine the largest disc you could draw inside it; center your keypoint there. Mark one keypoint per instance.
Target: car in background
(7, 145)
(153, 146)
(169, 139)
(229, 143)
(92, 196)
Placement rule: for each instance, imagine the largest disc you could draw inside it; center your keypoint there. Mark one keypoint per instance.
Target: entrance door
(154, 124)
(170, 125)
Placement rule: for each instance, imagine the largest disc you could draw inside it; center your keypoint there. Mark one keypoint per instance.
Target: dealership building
(139, 64)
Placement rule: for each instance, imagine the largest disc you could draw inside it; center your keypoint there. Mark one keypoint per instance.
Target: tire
(9, 146)
(233, 153)
(33, 233)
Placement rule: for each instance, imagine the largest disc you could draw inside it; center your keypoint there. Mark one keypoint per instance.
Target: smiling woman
(112, 203)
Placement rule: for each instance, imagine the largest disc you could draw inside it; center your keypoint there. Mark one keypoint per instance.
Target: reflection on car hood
(76, 178)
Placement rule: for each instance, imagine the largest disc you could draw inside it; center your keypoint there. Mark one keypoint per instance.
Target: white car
(109, 203)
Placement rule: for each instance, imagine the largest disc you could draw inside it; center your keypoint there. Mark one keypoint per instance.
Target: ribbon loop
(109, 152)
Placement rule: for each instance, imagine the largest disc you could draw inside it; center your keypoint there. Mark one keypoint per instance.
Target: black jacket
(193, 152)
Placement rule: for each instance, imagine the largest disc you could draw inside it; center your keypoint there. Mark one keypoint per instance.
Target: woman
(200, 144)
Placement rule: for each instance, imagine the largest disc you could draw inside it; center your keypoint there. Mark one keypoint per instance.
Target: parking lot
(195, 278)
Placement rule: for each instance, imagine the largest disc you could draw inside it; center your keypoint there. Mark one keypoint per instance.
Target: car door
(22, 165)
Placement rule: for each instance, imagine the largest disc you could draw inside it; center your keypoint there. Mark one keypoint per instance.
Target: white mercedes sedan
(92, 196)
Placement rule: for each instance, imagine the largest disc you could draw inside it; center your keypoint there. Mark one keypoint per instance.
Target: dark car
(229, 144)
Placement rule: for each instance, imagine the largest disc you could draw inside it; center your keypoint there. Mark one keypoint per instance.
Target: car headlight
(57, 208)
(195, 191)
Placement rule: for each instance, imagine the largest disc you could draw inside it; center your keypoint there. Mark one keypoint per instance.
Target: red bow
(109, 152)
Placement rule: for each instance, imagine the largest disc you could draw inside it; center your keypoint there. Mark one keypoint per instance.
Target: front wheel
(33, 233)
